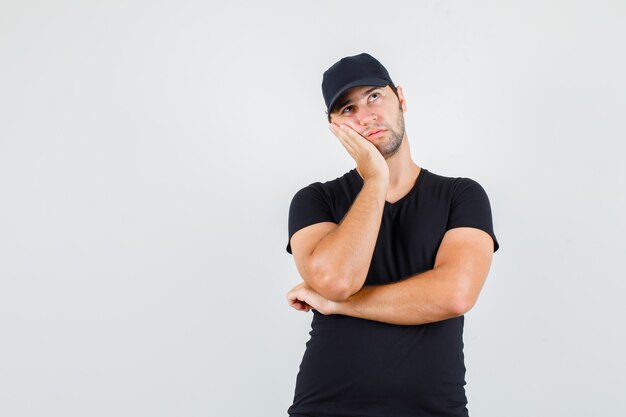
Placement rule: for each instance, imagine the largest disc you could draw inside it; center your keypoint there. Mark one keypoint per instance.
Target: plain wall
(149, 151)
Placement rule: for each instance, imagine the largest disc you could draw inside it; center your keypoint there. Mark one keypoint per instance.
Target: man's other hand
(304, 298)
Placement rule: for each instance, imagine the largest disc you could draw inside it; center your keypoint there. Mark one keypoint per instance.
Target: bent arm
(448, 290)
(337, 264)
(424, 298)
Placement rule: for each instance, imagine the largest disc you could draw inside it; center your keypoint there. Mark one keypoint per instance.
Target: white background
(149, 151)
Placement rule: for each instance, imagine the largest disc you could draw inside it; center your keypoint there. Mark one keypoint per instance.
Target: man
(392, 256)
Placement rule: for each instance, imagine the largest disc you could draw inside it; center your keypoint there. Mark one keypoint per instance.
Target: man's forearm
(343, 256)
(428, 297)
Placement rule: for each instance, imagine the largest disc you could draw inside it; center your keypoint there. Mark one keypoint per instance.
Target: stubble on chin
(391, 147)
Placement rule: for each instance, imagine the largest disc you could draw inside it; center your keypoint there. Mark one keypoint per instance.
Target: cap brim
(374, 82)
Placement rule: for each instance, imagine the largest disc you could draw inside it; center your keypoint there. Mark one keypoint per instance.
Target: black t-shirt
(362, 368)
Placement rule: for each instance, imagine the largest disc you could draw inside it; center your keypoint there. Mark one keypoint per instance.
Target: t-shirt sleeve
(310, 205)
(470, 208)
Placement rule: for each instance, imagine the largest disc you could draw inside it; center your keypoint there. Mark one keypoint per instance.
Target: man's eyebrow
(348, 101)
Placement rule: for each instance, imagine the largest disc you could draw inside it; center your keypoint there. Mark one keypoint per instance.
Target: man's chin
(388, 153)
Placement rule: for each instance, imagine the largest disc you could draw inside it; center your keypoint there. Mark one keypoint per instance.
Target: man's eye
(346, 109)
(374, 96)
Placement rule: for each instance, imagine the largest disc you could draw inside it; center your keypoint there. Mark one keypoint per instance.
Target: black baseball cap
(352, 71)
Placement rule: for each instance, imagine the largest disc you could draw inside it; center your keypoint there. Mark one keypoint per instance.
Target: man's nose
(365, 116)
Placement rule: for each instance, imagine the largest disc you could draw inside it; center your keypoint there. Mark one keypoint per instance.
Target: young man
(392, 256)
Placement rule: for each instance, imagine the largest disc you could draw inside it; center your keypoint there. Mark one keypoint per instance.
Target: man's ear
(401, 98)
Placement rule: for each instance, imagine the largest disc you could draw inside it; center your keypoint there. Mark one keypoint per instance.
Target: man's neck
(402, 169)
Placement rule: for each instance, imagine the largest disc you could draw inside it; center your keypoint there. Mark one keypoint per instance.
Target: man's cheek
(352, 126)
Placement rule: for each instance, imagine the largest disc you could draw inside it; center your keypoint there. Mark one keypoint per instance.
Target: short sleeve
(310, 205)
(470, 208)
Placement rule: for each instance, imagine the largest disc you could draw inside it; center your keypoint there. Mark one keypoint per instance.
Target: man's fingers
(348, 143)
(300, 305)
(352, 134)
(295, 302)
(343, 137)
(357, 142)
(292, 297)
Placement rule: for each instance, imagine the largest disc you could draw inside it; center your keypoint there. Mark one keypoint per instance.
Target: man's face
(376, 113)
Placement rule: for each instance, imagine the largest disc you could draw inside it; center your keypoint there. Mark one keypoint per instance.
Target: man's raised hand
(369, 161)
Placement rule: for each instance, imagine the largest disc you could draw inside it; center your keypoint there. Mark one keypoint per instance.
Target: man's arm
(448, 290)
(334, 260)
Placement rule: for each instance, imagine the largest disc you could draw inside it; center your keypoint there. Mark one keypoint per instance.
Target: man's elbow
(460, 306)
(329, 288)
(463, 297)
(462, 301)
(335, 288)
(332, 282)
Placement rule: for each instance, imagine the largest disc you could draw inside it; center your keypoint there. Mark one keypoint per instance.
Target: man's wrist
(344, 307)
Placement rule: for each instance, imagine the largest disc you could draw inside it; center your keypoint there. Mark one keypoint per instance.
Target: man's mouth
(374, 133)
